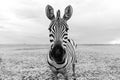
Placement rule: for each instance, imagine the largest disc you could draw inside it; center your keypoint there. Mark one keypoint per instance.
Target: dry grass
(29, 63)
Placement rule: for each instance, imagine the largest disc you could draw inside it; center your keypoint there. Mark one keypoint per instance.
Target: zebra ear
(50, 12)
(68, 13)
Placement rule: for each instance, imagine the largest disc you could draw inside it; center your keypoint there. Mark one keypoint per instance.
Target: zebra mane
(58, 14)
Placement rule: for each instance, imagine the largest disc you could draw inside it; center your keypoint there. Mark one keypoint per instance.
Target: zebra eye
(66, 29)
(65, 37)
(51, 40)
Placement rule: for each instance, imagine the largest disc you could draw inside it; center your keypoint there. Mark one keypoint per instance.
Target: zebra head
(58, 31)
(58, 27)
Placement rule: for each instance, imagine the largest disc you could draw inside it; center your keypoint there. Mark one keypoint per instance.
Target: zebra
(62, 50)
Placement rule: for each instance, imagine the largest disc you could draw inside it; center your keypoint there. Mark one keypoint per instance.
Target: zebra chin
(57, 53)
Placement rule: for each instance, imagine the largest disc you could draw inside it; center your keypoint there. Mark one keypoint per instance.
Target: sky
(92, 22)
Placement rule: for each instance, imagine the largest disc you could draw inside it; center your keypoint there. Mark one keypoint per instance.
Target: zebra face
(58, 32)
(58, 28)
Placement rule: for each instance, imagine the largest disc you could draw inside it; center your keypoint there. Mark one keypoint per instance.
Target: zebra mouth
(61, 62)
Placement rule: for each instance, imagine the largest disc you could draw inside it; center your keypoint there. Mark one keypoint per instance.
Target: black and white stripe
(58, 31)
(62, 52)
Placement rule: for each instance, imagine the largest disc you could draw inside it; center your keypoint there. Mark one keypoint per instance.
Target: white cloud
(18, 21)
(116, 41)
(25, 20)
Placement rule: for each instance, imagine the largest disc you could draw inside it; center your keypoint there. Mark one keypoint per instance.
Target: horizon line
(49, 44)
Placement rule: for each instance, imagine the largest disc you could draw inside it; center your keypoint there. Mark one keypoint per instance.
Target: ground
(28, 62)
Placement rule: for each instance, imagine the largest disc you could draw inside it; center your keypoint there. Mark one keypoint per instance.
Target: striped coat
(62, 50)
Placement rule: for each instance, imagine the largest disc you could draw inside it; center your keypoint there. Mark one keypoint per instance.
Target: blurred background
(92, 22)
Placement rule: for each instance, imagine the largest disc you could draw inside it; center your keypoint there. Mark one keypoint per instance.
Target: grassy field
(28, 62)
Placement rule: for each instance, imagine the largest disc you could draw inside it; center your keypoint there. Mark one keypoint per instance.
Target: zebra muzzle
(58, 53)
